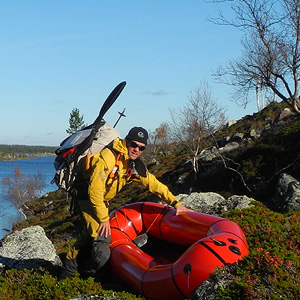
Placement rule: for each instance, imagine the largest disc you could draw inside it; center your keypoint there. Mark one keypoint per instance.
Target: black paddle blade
(112, 97)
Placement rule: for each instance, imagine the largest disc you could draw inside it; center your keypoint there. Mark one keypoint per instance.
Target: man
(110, 170)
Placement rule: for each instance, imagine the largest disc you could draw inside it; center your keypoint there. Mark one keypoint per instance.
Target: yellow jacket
(103, 188)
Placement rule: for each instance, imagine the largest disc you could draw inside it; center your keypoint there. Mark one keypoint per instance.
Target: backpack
(74, 153)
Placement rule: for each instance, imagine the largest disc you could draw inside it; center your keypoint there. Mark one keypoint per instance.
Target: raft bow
(208, 242)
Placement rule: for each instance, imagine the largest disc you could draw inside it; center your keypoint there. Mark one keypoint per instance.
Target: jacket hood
(120, 146)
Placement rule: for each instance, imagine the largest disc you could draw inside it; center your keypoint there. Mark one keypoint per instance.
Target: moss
(292, 128)
(261, 160)
(25, 284)
(66, 226)
(270, 271)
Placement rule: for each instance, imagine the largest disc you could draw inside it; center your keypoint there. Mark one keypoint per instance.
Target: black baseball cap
(138, 134)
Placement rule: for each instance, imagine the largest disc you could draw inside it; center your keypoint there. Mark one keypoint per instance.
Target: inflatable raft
(197, 244)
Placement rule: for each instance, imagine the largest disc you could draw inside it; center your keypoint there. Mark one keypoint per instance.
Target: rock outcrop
(28, 248)
(213, 203)
(288, 194)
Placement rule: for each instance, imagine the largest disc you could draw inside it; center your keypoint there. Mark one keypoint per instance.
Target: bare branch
(19, 188)
(271, 56)
(198, 119)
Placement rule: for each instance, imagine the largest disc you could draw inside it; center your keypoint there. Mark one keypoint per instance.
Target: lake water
(8, 213)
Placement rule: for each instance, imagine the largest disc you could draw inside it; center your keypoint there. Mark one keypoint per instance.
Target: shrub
(26, 284)
(271, 270)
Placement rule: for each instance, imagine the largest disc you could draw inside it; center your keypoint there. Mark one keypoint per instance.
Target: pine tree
(76, 121)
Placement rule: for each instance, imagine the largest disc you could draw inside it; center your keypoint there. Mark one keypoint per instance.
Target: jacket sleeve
(159, 189)
(97, 186)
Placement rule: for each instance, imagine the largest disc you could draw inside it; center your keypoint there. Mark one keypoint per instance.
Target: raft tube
(209, 242)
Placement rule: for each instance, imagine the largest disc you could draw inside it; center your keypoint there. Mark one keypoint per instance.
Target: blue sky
(60, 55)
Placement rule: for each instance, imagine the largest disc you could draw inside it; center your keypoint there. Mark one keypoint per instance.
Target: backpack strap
(138, 167)
(117, 164)
(118, 155)
(134, 166)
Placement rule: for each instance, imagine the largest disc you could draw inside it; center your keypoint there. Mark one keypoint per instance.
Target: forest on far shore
(23, 151)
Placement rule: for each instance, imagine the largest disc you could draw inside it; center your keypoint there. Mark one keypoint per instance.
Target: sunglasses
(134, 145)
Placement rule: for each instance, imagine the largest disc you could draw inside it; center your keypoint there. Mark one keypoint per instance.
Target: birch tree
(270, 46)
(200, 117)
(19, 188)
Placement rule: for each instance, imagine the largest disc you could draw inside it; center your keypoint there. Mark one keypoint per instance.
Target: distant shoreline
(17, 152)
(29, 156)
